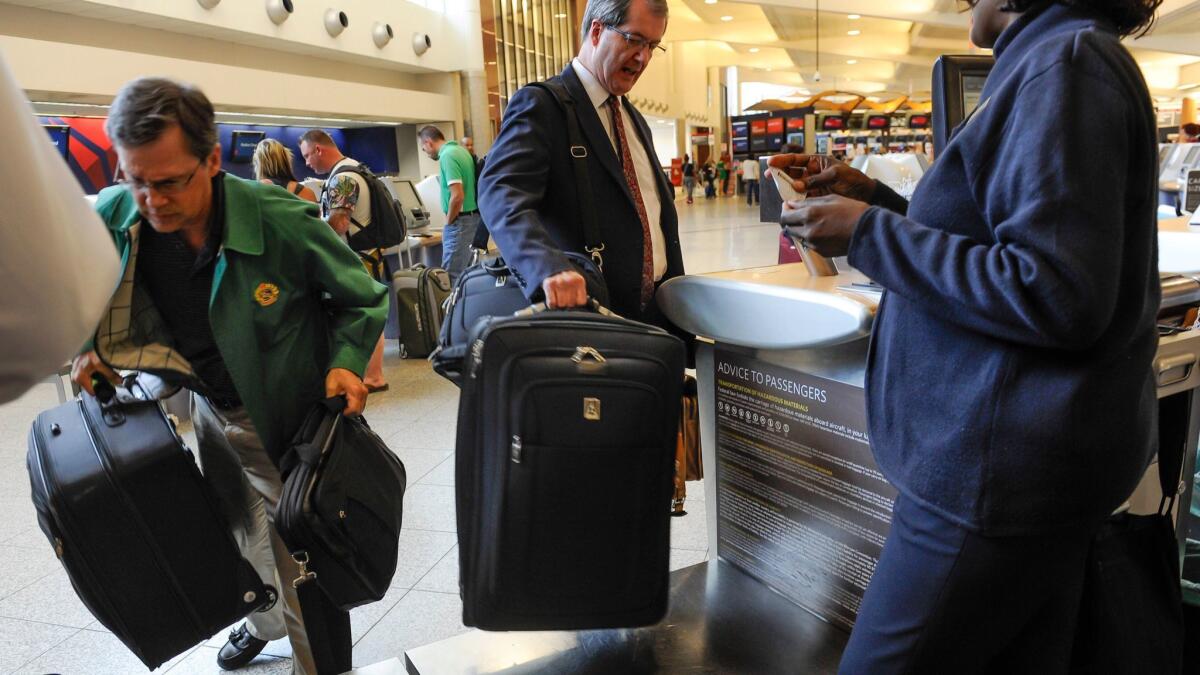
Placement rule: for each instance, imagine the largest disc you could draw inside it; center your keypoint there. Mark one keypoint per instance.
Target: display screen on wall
(759, 127)
(918, 122)
(775, 125)
(796, 138)
(795, 124)
(244, 142)
(741, 145)
(60, 136)
(758, 143)
(774, 142)
(740, 129)
(878, 122)
(833, 123)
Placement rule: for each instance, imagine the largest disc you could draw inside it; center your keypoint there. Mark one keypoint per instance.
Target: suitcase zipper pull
(515, 450)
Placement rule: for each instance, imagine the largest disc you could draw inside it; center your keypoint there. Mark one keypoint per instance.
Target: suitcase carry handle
(592, 304)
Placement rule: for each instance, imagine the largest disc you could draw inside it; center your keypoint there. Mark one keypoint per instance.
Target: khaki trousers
(248, 485)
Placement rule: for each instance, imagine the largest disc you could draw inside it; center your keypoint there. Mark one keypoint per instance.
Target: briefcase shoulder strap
(579, 154)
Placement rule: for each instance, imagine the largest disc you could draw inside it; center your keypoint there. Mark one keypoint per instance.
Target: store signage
(801, 505)
(918, 122)
(1191, 199)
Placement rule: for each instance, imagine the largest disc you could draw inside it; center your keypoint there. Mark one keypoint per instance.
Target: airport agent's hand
(85, 365)
(821, 175)
(826, 223)
(342, 382)
(565, 289)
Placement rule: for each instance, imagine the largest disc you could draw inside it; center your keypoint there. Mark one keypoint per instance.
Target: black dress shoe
(241, 649)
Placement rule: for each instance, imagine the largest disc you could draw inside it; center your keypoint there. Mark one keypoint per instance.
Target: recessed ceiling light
(852, 17)
(727, 18)
(852, 62)
(754, 50)
(853, 32)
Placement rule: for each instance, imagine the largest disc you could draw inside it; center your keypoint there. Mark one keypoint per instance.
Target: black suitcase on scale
(565, 451)
(136, 526)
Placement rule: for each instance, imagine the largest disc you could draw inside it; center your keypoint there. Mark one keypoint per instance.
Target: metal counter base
(720, 621)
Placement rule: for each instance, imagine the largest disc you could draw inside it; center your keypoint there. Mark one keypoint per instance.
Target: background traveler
(246, 299)
(529, 194)
(689, 177)
(345, 200)
(750, 178)
(57, 268)
(456, 169)
(273, 165)
(1022, 287)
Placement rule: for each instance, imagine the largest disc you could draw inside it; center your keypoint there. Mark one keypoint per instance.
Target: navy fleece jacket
(1009, 384)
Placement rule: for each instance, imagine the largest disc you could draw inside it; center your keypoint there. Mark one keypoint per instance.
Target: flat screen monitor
(406, 194)
(758, 143)
(775, 125)
(740, 129)
(243, 144)
(741, 145)
(879, 121)
(957, 84)
(833, 123)
(1192, 156)
(774, 142)
(918, 122)
(60, 136)
(796, 138)
(795, 124)
(758, 127)
(1163, 152)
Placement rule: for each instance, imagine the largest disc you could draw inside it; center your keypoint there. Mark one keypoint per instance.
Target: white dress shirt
(645, 170)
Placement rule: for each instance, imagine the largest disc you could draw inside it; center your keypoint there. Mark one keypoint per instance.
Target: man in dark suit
(528, 193)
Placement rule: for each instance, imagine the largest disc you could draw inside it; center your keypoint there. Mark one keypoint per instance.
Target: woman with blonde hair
(273, 165)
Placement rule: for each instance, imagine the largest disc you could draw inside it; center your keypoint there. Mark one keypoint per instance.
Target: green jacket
(290, 301)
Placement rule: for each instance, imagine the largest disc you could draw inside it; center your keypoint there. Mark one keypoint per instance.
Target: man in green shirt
(456, 173)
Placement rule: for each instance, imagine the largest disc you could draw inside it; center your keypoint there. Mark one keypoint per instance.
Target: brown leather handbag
(688, 464)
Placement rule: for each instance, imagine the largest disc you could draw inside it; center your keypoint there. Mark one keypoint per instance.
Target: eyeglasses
(167, 186)
(636, 41)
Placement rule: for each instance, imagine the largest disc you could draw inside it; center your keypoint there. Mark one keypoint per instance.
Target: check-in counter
(794, 496)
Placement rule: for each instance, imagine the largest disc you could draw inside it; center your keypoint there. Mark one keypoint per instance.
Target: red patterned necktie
(614, 105)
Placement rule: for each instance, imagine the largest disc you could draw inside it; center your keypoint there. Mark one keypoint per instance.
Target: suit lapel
(602, 147)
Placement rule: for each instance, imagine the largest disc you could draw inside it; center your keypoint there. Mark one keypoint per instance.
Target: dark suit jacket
(527, 195)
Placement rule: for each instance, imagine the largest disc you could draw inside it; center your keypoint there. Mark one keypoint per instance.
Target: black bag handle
(583, 184)
(311, 452)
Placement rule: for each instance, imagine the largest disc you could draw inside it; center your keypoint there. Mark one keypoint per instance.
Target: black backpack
(387, 220)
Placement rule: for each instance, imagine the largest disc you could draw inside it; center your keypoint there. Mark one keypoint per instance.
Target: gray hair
(146, 107)
(613, 13)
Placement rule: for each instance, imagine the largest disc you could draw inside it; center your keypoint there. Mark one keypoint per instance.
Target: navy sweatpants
(946, 600)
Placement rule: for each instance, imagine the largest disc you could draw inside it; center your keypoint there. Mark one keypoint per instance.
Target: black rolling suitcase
(565, 451)
(136, 526)
(420, 293)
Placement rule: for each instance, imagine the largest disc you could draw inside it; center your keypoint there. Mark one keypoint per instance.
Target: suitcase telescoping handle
(541, 307)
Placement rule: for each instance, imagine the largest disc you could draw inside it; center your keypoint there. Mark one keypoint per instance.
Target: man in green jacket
(237, 291)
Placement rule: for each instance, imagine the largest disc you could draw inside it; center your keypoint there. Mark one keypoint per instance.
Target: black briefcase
(491, 288)
(341, 507)
(487, 288)
(136, 526)
(565, 451)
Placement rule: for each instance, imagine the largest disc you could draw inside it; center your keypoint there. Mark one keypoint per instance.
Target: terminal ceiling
(880, 46)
